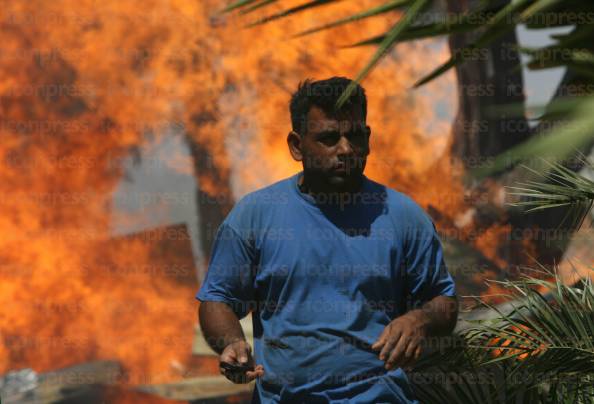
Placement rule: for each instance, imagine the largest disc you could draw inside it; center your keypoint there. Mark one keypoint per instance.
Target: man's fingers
(257, 372)
(246, 377)
(381, 340)
(378, 344)
(418, 353)
(249, 376)
(259, 368)
(398, 351)
(409, 355)
(244, 353)
(389, 345)
(229, 356)
(237, 352)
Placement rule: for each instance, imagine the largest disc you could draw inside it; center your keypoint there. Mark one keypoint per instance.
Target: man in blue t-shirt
(344, 277)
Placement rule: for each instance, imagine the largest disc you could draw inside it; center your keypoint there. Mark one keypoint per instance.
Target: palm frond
(372, 12)
(560, 142)
(543, 335)
(291, 11)
(538, 7)
(539, 351)
(423, 31)
(254, 7)
(560, 187)
(495, 27)
(238, 4)
(409, 16)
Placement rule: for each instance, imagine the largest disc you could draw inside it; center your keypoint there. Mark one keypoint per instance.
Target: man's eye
(329, 139)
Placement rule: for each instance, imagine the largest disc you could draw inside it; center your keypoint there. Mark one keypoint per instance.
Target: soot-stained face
(333, 149)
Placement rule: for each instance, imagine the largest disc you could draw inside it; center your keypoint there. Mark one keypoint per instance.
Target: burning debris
(79, 383)
(17, 383)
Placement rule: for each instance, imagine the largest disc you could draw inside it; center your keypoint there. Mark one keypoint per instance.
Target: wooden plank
(203, 387)
(74, 382)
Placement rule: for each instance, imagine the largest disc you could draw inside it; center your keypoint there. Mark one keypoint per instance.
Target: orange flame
(83, 82)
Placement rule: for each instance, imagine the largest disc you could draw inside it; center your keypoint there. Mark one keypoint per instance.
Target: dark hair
(323, 94)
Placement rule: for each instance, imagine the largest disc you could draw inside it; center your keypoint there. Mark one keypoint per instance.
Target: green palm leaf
(555, 145)
(539, 351)
(256, 6)
(392, 5)
(291, 11)
(560, 187)
(415, 8)
(423, 31)
(238, 4)
(497, 25)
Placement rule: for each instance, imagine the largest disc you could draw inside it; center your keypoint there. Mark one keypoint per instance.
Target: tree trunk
(492, 79)
(486, 80)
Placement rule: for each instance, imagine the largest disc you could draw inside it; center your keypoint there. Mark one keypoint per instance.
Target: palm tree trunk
(493, 79)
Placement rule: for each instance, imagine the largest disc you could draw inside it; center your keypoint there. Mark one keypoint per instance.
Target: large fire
(83, 82)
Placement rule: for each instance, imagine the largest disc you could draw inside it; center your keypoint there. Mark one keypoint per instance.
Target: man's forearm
(439, 315)
(219, 325)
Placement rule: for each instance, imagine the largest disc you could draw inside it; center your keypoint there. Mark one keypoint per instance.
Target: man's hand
(224, 335)
(240, 353)
(401, 341)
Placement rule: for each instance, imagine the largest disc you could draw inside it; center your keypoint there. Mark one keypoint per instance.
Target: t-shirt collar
(310, 199)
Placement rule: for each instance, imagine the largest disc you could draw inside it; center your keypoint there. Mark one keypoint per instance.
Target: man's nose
(344, 146)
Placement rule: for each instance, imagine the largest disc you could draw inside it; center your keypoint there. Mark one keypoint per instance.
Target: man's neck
(317, 190)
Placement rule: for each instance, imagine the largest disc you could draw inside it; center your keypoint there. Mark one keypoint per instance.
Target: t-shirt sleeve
(426, 272)
(228, 278)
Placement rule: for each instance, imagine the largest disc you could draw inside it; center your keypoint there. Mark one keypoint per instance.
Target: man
(345, 277)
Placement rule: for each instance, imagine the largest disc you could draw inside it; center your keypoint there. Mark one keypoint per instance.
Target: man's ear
(294, 143)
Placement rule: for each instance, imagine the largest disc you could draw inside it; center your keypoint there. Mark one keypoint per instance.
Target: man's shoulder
(400, 205)
(255, 206)
(269, 196)
(392, 196)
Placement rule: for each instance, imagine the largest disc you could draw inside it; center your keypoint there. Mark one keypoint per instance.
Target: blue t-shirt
(323, 279)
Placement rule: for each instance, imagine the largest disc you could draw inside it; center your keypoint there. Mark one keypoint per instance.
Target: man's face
(334, 149)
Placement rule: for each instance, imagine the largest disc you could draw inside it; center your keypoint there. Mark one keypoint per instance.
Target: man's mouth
(342, 168)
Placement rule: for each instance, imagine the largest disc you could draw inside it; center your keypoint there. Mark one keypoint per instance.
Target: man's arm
(219, 325)
(402, 340)
(225, 296)
(439, 315)
(223, 333)
(428, 284)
